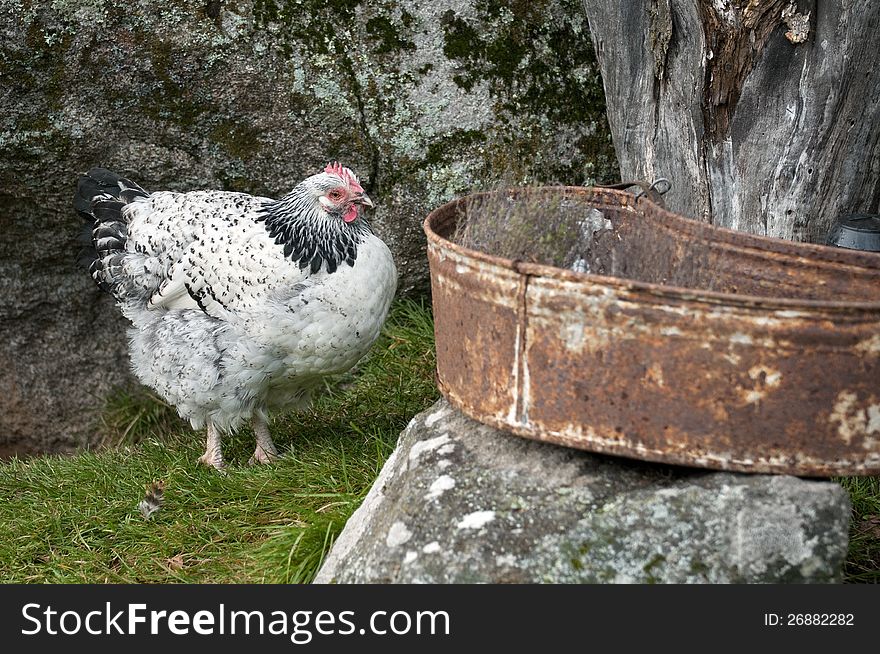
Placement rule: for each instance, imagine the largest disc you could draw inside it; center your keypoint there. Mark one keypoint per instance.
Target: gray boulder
(424, 100)
(459, 502)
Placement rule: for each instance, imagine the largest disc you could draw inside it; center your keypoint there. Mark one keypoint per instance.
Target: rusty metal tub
(767, 359)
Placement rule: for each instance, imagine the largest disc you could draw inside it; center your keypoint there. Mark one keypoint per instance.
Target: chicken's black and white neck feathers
(310, 235)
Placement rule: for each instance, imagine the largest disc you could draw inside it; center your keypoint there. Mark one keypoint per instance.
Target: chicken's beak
(364, 200)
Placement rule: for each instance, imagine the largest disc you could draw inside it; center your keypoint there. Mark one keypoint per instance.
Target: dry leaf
(175, 562)
(870, 524)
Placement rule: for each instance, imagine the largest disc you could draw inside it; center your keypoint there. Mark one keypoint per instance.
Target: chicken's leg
(213, 456)
(265, 452)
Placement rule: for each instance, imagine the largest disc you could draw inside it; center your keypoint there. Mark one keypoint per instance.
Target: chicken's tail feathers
(100, 196)
(100, 183)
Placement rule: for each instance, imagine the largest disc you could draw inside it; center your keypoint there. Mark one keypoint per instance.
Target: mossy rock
(461, 502)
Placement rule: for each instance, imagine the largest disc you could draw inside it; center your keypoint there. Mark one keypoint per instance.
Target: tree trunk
(764, 114)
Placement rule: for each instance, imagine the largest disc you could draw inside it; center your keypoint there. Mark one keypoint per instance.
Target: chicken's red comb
(336, 168)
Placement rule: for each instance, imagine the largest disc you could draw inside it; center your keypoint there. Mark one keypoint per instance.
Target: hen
(239, 304)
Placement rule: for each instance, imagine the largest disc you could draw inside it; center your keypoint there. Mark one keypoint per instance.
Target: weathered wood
(765, 114)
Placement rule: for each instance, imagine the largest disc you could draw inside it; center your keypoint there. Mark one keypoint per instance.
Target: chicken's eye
(335, 195)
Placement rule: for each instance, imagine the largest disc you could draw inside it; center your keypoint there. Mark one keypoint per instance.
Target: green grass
(863, 562)
(75, 519)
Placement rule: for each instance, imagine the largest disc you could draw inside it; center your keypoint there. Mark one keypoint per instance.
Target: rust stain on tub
(764, 358)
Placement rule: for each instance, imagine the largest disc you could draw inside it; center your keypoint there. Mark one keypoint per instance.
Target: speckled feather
(239, 304)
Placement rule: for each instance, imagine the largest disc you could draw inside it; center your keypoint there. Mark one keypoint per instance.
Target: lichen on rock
(527, 512)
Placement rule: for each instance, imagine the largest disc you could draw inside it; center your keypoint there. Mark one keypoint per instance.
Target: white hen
(239, 304)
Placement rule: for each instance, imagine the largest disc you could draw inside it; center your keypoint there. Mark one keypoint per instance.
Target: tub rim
(828, 255)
